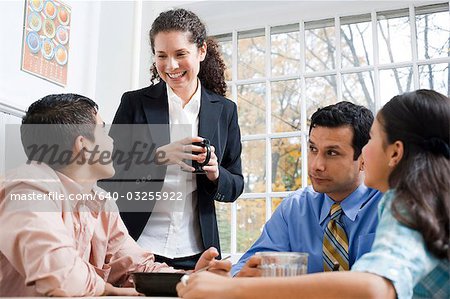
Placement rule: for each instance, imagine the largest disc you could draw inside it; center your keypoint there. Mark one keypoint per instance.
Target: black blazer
(218, 122)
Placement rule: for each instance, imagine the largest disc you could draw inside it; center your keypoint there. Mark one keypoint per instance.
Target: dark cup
(199, 166)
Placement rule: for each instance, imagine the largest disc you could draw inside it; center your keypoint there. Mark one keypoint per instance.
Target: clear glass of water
(279, 264)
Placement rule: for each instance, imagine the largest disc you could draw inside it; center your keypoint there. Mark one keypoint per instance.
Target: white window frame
(375, 67)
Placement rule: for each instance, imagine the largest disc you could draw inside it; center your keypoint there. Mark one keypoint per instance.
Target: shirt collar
(193, 106)
(72, 187)
(350, 205)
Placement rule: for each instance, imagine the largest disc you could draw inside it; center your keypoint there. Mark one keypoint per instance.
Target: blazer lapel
(210, 110)
(156, 109)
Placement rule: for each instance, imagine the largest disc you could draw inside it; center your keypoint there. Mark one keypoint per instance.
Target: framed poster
(46, 37)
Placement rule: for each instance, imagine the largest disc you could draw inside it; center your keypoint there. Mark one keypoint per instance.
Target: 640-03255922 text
(141, 195)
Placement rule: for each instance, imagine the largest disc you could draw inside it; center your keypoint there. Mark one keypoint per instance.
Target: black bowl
(156, 284)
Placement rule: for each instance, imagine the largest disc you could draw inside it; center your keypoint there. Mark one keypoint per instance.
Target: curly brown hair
(421, 120)
(212, 68)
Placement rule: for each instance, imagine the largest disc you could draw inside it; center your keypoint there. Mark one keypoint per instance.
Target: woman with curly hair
(188, 88)
(407, 158)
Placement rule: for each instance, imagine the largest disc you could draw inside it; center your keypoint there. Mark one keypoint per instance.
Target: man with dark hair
(52, 124)
(333, 221)
(61, 234)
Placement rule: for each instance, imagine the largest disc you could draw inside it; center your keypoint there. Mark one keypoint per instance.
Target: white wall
(115, 55)
(20, 89)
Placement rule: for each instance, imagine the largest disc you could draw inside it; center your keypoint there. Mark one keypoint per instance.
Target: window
(279, 76)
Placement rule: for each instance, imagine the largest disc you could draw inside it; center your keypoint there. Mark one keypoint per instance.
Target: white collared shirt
(173, 230)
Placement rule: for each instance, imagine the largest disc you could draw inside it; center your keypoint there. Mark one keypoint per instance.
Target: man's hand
(250, 269)
(111, 290)
(208, 258)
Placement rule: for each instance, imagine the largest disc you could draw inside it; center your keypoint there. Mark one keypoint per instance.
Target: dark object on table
(156, 284)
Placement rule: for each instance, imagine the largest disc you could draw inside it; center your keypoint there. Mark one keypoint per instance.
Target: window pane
(226, 48)
(320, 92)
(223, 212)
(436, 77)
(320, 49)
(286, 164)
(275, 203)
(254, 167)
(394, 82)
(285, 106)
(433, 35)
(285, 53)
(251, 104)
(229, 93)
(356, 44)
(358, 88)
(394, 38)
(251, 51)
(251, 216)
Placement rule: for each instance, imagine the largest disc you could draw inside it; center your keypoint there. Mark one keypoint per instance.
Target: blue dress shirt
(298, 225)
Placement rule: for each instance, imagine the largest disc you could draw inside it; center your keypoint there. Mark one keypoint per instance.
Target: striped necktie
(335, 243)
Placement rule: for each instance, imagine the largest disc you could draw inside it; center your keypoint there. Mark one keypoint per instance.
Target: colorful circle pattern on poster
(37, 5)
(50, 9)
(48, 49)
(35, 21)
(62, 35)
(49, 28)
(46, 39)
(63, 16)
(48, 25)
(61, 55)
(33, 42)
